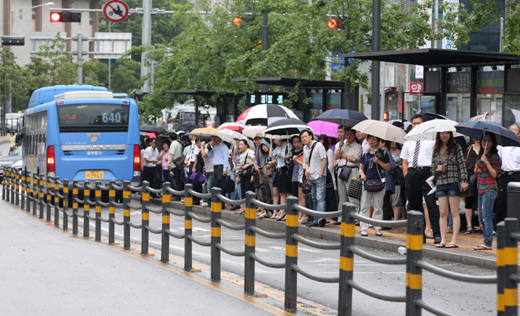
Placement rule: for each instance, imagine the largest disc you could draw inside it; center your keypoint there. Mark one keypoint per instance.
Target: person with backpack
(372, 168)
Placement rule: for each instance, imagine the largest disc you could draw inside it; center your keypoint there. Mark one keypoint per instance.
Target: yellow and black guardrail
(42, 195)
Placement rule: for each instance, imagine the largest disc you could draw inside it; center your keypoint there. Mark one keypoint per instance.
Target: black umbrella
(148, 128)
(348, 118)
(186, 127)
(285, 129)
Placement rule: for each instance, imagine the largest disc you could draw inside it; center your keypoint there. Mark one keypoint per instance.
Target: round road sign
(115, 10)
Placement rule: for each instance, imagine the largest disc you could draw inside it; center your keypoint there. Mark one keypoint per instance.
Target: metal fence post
(97, 189)
(4, 183)
(48, 198)
(216, 214)
(66, 203)
(510, 267)
(22, 191)
(165, 242)
(13, 182)
(56, 202)
(28, 191)
(126, 214)
(414, 248)
(111, 212)
(35, 193)
(41, 199)
(291, 254)
(501, 279)
(145, 218)
(75, 207)
(188, 204)
(17, 189)
(250, 241)
(86, 209)
(346, 259)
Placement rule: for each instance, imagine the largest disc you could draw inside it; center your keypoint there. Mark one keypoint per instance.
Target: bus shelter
(438, 82)
(227, 103)
(314, 96)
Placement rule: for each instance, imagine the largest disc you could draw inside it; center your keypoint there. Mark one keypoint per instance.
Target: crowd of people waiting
(382, 179)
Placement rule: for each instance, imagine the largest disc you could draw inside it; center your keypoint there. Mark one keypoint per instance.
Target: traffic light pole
(376, 46)
(265, 44)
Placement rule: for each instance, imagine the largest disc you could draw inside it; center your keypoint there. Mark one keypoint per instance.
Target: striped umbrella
(380, 129)
(265, 114)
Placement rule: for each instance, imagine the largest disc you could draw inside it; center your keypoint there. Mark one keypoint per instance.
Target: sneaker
(322, 222)
(364, 233)
(379, 232)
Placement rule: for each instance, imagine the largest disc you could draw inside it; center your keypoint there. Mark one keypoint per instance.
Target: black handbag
(374, 185)
(227, 185)
(355, 188)
(344, 173)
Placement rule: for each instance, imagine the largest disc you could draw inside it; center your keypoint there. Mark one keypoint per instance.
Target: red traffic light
(332, 23)
(237, 20)
(65, 16)
(55, 16)
(385, 116)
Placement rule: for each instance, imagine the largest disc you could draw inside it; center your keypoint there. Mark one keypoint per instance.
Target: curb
(369, 242)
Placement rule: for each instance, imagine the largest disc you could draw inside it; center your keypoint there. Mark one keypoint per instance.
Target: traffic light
(332, 23)
(65, 16)
(385, 116)
(13, 41)
(237, 21)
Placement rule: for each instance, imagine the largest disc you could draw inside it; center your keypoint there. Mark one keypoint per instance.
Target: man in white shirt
(362, 138)
(315, 166)
(347, 155)
(150, 160)
(510, 172)
(417, 161)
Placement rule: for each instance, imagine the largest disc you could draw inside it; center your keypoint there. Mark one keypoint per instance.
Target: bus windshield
(93, 118)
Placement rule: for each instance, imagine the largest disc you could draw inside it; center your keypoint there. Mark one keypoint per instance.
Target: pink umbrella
(322, 127)
(150, 135)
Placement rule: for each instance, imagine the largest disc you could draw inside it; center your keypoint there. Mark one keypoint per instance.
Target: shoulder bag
(306, 184)
(374, 185)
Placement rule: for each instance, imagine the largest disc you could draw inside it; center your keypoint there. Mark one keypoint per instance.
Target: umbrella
(204, 131)
(230, 136)
(434, 116)
(251, 131)
(152, 129)
(323, 127)
(265, 114)
(381, 129)
(186, 127)
(347, 118)
(477, 129)
(233, 126)
(150, 135)
(429, 129)
(285, 128)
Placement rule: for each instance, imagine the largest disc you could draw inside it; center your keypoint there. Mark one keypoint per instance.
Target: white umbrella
(251, 131)
(429, 129)
(230, 136)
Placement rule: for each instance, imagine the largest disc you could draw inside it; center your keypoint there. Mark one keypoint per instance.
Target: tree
(52, 66)
(13, 82)
(95, 73)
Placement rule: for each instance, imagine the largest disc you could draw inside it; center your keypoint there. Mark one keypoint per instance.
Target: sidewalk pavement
(391, 240)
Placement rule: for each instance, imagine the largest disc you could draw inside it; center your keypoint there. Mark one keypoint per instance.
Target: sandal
(469, 230)
(440, 245)
(240, 212)
(477, 230)
(450, 245)
(449, 230)
(482, 247)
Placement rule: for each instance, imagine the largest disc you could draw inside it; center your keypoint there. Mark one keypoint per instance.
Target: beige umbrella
(381, 129)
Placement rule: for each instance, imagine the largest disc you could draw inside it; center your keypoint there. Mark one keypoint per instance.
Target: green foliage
(13, 78)
(125, 78)
(95, 73)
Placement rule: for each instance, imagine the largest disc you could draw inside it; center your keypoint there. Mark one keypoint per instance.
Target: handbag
(344, 173)
(374, 185)
(179, 162)
(306, 185)
(355, 188)
(227, 185)
(472, 189)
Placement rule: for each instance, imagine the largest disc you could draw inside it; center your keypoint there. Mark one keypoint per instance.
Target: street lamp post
(26, 10)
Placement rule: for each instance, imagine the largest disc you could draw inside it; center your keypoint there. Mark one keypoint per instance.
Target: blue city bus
(83, 135)
(47, 94)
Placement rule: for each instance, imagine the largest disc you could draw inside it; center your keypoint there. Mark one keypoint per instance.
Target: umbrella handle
(259, 174)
